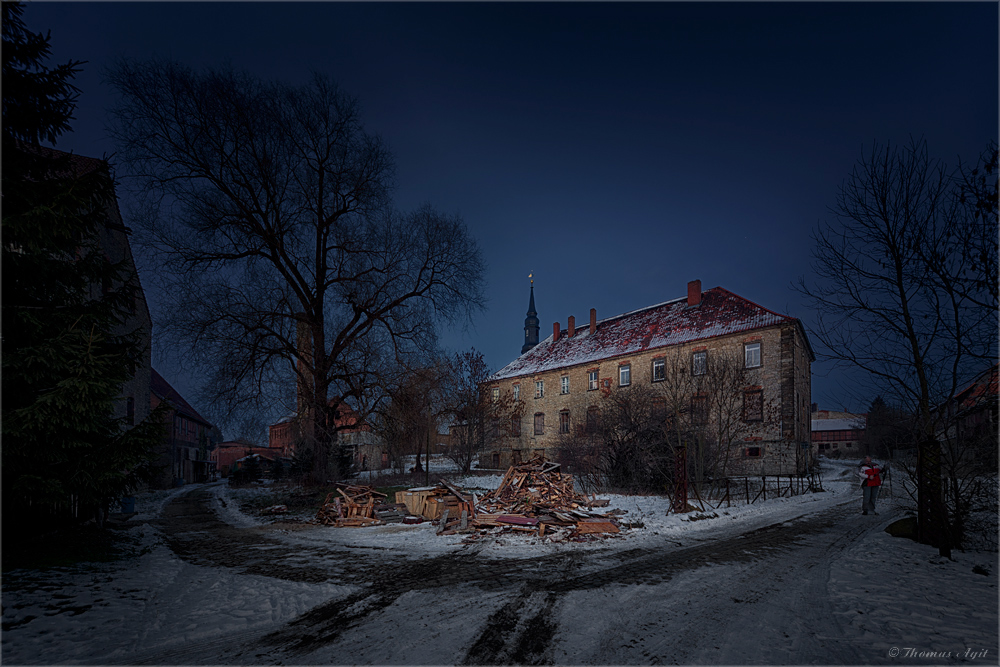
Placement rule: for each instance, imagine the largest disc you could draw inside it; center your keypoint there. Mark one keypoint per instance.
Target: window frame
(747, 347)
(539, 423)
(564, 422)
(661, 366)
(539, 388)
(593, 417)
(625, 373)
(698, 369)
(564, 384)
(593, 380)
(748, 395)
(515, 426)
(517, 392)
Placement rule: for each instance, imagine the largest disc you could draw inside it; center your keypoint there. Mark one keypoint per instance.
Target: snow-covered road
(802, 580)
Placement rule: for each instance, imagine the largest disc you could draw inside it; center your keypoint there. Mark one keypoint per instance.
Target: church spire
(530, 322)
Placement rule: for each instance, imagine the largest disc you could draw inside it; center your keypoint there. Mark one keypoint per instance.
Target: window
(752, 452)
(592, 381)
(625, 375)
(515, 456)
(539, 423)
(592, 415)
(494, 428)
(752, 352)
(515, 426)
(659, 412)
(699, 362)
(659, 370)
(564, 384)
(564, 421)
(495, 394)
(753, 405)
(699, 409)
(517, 392)
(540, 389)
(496, 459)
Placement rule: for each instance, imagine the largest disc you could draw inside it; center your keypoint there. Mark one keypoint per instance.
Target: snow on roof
(838, 424)
(670, 323)
(164, 391)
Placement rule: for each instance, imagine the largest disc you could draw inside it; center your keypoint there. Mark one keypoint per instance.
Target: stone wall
(783, 376)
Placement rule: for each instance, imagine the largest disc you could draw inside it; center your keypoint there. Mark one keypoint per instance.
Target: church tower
(530, 322)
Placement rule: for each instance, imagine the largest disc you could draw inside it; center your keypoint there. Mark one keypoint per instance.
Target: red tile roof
(672, 323)
(164, 391)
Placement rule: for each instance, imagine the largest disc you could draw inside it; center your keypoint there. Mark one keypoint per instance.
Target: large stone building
(560, 381)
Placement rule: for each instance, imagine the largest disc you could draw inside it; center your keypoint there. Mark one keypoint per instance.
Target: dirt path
(529, 615)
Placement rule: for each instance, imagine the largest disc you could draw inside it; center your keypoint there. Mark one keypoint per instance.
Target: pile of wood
(535, 497)
(351, 505)
(444, 503)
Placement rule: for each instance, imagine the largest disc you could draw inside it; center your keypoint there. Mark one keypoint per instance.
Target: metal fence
(751, 489)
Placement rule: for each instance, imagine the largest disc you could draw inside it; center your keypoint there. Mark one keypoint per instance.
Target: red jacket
(872, 475)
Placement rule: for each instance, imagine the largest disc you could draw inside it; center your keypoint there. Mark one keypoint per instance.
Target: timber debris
(352, 505)
(534, 498)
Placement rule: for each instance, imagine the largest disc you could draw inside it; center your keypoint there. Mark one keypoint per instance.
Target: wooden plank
(596, 526)
(458, 494)
(464, 523)
(517, 520)
(444, 520)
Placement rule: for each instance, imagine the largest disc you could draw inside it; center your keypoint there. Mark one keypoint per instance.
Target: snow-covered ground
(863, 598)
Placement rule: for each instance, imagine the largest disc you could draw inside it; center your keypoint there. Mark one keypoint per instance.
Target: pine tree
(66, 353)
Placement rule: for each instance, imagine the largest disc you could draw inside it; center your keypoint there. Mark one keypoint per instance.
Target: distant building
(365, 448)
(972, 414)
(561, 379)
(190, 437)
(838, 434)
(227, 453)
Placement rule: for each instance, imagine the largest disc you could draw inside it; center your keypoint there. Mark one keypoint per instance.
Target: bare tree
(270, 208)
(900, 295)
(480, 415)
(412, 408)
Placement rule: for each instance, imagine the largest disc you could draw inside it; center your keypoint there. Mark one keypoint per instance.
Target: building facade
(559, 383)
(189, 438)
(355, 436)
(838, 434)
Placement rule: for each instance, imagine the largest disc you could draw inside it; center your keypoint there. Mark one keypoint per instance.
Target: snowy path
(792, 581)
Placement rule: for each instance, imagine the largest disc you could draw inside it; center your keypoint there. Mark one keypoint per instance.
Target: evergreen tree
(66, 351)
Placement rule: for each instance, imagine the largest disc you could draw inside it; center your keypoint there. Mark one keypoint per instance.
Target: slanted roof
(162, 389)
(671, 323)
(856, 424)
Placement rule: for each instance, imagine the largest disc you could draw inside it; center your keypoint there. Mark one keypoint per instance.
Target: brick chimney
(571, 326)
(694, 292)
(593, 321)
(555, 331)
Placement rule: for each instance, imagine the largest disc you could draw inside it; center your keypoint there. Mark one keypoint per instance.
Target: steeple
(530, 322)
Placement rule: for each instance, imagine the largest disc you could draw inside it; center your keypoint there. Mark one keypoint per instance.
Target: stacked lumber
(351, 505)
(431, 502)
(535, 496)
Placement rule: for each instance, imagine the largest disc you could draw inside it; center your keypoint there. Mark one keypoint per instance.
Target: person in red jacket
(871, 481)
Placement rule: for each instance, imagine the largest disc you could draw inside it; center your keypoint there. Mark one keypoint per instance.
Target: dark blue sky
(615, 150)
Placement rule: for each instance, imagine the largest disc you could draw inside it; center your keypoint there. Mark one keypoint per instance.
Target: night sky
(616, 151)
